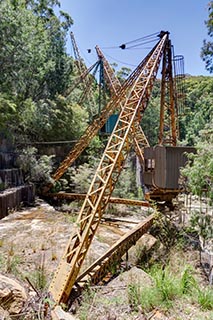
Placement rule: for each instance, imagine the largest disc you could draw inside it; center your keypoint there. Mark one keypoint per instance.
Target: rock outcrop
(12, 296)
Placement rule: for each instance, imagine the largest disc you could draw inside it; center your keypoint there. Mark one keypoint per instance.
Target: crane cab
(162, 170)
(109, 125)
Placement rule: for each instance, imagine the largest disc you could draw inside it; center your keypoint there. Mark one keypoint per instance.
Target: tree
(199, 170)
(123, 74)
(36, 170)
(24, 47)
(33, 58)
(50, 120)
(35, 70)
(198, 108)
(207, 49)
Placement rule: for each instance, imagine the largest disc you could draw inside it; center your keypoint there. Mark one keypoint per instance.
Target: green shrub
(205, 298)
(166, 288)
(166, 283)
(38, 277)
(36, 169)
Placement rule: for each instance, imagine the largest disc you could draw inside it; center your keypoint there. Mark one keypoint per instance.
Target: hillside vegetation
(39, 101)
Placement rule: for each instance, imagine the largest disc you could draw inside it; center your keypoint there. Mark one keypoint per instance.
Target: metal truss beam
(81, 196)
(98, 270)
(168, 116)
(140, 140)
(106, 176)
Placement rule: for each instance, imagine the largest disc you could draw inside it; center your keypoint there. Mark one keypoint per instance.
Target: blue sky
(109, 23)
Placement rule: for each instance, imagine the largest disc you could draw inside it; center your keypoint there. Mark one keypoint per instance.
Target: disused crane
(168, 128)
(134, 97)
(100, 120)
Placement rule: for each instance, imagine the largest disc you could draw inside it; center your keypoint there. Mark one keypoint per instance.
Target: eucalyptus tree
(207, 49)
(198, 108)
(199, 170)
(33, 57)
(34, 64)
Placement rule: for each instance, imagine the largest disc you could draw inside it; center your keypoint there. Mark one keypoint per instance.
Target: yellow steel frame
(102, 265)
(106, 176)
(140, 140)
(111, 80)
(81, 196)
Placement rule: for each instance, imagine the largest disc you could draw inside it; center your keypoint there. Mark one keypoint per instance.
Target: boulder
(143, 249)
(59, 314)
(4, 314)
(12, 295)
(132, 276)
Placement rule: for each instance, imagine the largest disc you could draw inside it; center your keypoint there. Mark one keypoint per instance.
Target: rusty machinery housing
(162, 170)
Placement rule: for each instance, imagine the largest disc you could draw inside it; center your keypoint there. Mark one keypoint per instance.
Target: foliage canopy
(207, 49)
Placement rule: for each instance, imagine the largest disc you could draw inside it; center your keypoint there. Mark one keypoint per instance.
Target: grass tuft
(166, 288)
(205, 298)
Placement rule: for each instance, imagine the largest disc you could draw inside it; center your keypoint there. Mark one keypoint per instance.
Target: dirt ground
(32, 241)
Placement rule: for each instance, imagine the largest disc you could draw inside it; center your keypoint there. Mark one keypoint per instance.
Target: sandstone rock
(144, 246)
(12, 295)
(4, 314)
(133, 276)
(59, 314)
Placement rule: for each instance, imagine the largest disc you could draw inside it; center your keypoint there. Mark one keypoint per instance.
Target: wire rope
(143, 40)
(140, 44)
(122, 62)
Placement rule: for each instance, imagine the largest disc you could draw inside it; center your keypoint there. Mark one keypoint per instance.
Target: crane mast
(111, 80)
(140, 140)
(85, 80)
(168, 127)
(80, 65)
(134, 103)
